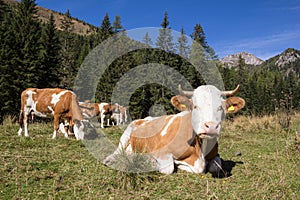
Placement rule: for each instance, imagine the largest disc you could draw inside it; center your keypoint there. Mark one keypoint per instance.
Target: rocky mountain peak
(287, 57)
(233, 60)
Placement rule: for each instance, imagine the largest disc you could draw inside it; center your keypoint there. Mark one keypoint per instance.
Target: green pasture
(261, 159)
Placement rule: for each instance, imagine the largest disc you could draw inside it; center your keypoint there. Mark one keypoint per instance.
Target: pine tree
(147, 39)
(20, 53)
(3, 9)
(50, 64)
(117, 27)
(199, 36)
(68, 52)
(165, 39)
(183, 47)
(105, 30)
(6, 72)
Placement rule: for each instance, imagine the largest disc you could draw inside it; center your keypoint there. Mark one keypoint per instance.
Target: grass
(263, 160)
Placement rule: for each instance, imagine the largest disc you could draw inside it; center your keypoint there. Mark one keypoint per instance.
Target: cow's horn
(186, 93)
(230, 92)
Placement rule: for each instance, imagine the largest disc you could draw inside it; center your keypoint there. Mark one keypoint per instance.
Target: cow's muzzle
(210, 130)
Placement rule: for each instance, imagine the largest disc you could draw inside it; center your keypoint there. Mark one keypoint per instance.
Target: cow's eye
(196, 107)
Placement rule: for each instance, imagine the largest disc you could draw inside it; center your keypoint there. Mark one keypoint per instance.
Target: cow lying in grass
(60, 103)
(187, 139)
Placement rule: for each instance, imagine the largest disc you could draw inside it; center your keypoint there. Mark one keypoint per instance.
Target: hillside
(80, 27)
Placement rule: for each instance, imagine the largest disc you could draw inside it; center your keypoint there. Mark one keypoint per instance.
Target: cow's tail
(21, 118)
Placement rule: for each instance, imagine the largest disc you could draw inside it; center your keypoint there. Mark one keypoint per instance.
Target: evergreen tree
(3, 9)
(199, 36)
(106, 30)
(20, 54)
(68, 52)
(165, 39)
(117, 27)
(50, 64)
(183, 47)
(147, 39)
(6, 72)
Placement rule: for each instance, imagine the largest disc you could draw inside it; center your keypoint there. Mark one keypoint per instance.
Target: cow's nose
(211, 127)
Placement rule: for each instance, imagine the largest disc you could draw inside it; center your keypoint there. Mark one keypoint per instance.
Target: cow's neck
(207, 145)
(197, 143)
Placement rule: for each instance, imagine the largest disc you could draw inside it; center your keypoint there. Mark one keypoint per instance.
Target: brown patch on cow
(139, 122)
(179, 139)
(90, 109)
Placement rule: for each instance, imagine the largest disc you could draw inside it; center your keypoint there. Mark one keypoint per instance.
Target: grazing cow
(119, 116)
(187, 139)
(60, 103)
(90, 110)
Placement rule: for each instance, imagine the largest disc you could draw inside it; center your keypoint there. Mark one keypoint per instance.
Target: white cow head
(78, 129)
(209, 108)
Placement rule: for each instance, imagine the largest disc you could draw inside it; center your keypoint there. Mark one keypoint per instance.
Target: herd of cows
(187, 140)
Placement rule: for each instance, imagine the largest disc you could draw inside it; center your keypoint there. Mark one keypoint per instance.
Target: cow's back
(45, 101)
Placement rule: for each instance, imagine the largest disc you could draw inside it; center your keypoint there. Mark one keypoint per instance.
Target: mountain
(233, 60)
(289, 56)
(287, 62)
(80, 27)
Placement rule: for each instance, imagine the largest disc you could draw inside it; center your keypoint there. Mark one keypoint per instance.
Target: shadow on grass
(227, 166)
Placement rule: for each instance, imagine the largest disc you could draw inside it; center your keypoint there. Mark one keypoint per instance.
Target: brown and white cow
(119, 116)
(187, 139)
(90, 110)
(60, 103)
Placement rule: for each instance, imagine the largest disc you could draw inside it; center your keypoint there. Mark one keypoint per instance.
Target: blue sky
(262, 27)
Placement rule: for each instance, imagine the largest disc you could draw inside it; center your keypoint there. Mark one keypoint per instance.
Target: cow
(188, 139)
(119, 116)
(60, 103)
(90, 110)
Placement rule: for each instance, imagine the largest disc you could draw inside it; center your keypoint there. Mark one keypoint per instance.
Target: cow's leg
(197, 167)
(55, 125)
(25, 121)
(214, 166)
(123, 145)
(21, 122)
(63, 129)
(102, 116)
(165, 164)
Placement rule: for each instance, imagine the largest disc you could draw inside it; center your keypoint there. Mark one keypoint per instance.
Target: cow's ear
(234, 104)
(181, 103)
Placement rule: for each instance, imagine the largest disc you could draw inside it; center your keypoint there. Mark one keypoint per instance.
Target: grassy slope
(41, 168)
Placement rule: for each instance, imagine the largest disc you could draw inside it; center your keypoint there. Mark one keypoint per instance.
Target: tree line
(38, 54)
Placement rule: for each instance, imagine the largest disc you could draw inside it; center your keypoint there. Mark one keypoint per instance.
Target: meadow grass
(262, 158)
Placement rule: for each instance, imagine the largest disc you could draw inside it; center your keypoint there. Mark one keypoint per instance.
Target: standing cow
(187, 139)
(60, 103)
(119, 116)
(90, 110)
